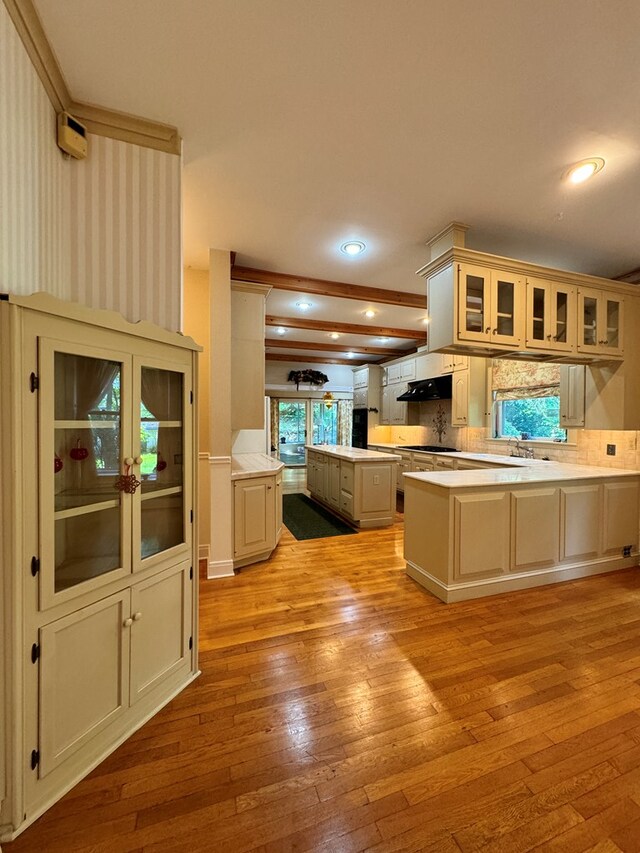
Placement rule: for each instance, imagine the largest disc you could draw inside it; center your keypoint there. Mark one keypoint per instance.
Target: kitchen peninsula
(359, 485)
(472, 533)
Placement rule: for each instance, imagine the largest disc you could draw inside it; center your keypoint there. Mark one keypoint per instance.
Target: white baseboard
(450, 593)
(220, 569)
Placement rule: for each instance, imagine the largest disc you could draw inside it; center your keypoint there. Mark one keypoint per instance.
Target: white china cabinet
(99, 557)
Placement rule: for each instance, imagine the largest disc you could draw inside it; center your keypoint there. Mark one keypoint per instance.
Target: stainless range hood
(438, 388)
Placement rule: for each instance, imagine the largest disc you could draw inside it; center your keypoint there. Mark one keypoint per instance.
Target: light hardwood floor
(342, 708)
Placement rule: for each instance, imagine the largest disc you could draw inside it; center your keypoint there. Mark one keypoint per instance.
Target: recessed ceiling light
(426, 320)
(280, 331)
(383, 340)
(349, 355)
(334, 335)
(353, 248)
(369, 313)
(585, 169)
(303, 306)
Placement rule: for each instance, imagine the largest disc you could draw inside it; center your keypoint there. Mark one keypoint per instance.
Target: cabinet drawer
(346, 477)
(346, 503)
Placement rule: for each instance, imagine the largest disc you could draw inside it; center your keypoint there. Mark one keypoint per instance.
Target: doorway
(292, 431)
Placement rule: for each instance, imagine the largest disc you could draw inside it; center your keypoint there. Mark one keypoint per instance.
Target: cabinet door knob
(128, 460)
(138, 460)
(269, 487)
(137, 616)
(548, 337)
(494, 332)
(128, 622)
(487, 330)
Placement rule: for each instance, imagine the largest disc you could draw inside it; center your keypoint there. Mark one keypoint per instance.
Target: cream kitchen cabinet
(254, 518)
(491, 306)
(600, 322)
(402, 371)
(452, 362)
(363, 481)
(572, 395)
(551, 316)
(99, 553)
(469, 403)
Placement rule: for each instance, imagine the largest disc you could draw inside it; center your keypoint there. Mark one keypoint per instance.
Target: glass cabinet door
(563, 317)
(507, 309)
(84, 531)
(474, 322)
(600, 322)
(538, 310)
(160, 514)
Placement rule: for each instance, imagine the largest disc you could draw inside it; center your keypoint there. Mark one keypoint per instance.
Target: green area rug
(308, 520)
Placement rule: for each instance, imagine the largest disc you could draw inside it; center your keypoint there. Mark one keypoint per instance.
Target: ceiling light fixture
(369, 314)
(383, 340)
(334, 335)
(280, 331)
(426, 320)
(303, 306)
(349, 355)
(353, 248)
(585, 169)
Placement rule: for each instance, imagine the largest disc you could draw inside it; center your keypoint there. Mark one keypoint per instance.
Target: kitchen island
(358, 485)
(471, 533)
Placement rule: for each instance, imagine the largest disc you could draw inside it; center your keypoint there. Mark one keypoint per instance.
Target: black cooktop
(430, 448)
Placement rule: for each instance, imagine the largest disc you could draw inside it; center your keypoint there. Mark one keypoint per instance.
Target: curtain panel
(515, 380)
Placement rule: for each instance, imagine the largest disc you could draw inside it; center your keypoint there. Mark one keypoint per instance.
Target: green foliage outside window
(533, 417)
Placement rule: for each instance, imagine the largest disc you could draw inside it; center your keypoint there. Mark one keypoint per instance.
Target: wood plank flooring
(342, 708)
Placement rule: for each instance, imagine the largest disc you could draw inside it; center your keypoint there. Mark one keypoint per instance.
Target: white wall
(276, 372)
(104, 231)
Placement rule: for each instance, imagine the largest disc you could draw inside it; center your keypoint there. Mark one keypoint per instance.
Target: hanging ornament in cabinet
(161, 463)
(58, 464)
(127, 482)
(78, 452)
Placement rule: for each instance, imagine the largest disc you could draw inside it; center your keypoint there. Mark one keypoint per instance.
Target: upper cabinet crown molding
(98, 120)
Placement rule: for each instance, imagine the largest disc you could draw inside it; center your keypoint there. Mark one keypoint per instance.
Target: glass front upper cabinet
(84, 530)
(551, 316)
(490, 306)
(160, 462)
(600, 316)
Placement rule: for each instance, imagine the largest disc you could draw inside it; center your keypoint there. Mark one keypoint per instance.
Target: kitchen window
(526, 400)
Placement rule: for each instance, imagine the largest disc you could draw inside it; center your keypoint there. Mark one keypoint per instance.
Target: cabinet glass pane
(538, 313)
(589, 321)
(87, 431)
(162, 468)
(613, 323)
(505, 295)
(561, 331)
(475, 303)
(87, 546)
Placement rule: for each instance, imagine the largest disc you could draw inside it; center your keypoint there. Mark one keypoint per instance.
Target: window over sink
(526, 400)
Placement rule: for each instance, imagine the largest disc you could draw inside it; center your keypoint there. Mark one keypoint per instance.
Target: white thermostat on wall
(72, 136)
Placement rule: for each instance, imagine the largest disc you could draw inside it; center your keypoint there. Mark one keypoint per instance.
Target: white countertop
(494, 458)
(245, 465)
(352, 454)
(528, 471)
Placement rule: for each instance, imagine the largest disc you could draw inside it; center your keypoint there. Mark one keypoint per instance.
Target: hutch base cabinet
(99, 557)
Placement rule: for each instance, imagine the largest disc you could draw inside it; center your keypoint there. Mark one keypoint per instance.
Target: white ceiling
(306, 123)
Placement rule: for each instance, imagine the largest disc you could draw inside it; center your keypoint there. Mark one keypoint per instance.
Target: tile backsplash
(590, 447)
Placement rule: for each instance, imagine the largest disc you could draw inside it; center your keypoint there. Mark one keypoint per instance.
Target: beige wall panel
(424, 512)
(580, 514)
(376, 488)
(535, 528)
(33, 178)
(620, 527)
(125, 231)
(197, 324)
(481, 534)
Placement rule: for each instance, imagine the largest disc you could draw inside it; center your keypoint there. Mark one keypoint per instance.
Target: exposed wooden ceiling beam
(321, 287)
(345, 328)
(282, 343)
(313, 359)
